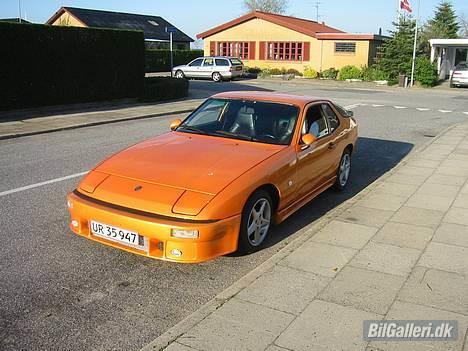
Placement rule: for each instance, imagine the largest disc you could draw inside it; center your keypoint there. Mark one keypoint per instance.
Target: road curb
(81, 125)
(165, 339)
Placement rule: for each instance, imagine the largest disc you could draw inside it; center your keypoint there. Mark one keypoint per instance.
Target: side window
(315, 122)
(196, 63)
(333, 120)
(208, 62)
(221, 62)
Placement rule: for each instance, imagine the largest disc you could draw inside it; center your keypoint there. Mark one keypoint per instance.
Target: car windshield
(236, 61)
(260, 121)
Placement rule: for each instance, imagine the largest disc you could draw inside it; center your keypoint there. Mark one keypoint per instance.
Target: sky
(196, 16)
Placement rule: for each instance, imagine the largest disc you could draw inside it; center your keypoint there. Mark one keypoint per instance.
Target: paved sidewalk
(398, 250)
(37, 125)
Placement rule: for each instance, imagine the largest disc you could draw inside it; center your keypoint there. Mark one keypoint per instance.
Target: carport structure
(448, 53)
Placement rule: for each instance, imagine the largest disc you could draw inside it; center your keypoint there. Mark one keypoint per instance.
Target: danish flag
(404, 5)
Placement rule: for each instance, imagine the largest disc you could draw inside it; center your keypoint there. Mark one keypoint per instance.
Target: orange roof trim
(300, 25)
(347, 36)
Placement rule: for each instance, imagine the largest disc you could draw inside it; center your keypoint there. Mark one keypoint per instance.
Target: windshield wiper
(237, 136)
(190, 129)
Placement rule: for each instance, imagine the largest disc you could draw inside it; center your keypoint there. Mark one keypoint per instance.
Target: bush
(51, 65)
(425, 72)
(164, 88)
(294, 71)
(373, 73)
(309, 72)
(330, 73)
(253, 70)
(160, 60)
(265, 73)
(349, 72)
(277, 71)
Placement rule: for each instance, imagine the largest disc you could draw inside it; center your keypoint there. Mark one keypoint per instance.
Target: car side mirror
(308, 139)
(175, 123)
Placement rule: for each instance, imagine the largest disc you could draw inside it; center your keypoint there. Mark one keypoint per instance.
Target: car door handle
(331, 145)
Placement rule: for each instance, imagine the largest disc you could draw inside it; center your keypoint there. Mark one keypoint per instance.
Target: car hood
(186, 161)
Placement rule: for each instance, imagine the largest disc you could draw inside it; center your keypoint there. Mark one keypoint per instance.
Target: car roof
(299, 100)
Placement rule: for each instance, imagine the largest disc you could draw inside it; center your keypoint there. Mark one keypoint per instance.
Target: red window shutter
(252, 50)
(262, 50)
(306, 51)
(212, 48)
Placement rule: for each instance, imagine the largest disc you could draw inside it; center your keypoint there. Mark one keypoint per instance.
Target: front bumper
(216, 238)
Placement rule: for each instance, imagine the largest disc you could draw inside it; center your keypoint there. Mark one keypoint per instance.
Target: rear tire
(343, 172)
(256, 222)
(217, 77)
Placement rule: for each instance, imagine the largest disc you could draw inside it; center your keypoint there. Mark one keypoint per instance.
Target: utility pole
(317, 6)
(19, 10)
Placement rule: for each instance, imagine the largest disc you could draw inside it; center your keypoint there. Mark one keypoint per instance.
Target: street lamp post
(171, 30)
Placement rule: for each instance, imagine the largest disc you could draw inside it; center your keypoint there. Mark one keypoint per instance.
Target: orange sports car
(219, 180)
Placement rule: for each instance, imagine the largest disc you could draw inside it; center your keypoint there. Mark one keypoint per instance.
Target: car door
(313, 161)
(192, 70)
(206, 70)
(337, 140)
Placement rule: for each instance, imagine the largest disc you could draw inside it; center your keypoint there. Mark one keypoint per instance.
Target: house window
(284, 51)
(345, 47)
(234, 48)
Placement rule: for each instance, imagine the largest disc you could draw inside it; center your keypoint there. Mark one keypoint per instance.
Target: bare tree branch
(463, 22)
(273, 6)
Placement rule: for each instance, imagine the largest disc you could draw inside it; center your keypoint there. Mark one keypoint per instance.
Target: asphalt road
(60, 291)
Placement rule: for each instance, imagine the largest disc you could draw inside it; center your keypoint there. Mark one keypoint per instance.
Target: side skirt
(288, 211)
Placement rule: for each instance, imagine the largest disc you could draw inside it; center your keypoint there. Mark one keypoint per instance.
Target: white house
(448, 53)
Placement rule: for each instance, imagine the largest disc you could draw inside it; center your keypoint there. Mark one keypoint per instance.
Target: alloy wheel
(259, 222)
(345, 167)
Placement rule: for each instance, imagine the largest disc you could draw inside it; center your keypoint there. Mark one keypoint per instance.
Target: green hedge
(160, 60)
(50, 65)
(164, 88)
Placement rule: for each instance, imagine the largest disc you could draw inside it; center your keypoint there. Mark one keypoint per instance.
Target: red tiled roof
(300, 25)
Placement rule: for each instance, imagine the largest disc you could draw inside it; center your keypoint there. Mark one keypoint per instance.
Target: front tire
(217, 77)
(344, 169)
(256, 222)
(179, 74)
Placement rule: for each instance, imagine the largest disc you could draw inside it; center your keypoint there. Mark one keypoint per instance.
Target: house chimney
(380, 31)
(323, 22)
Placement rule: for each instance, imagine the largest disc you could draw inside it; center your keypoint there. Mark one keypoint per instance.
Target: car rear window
(462, 67)
(221, 62)
(236, 61)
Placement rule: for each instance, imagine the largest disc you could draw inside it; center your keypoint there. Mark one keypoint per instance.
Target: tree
(273, 6)
(397, 51)
(443, 25)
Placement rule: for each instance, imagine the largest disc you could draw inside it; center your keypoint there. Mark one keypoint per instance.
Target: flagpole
(415, 44)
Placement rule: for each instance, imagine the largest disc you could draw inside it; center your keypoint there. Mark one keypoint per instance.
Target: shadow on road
(372, 158)
(200, 89)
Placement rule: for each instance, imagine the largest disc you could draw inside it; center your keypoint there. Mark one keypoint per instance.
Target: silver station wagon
(217, 68)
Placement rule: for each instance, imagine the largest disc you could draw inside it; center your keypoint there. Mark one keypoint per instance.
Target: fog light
(69, 204)
(176, 252)
(184, 234)
(74, 223)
